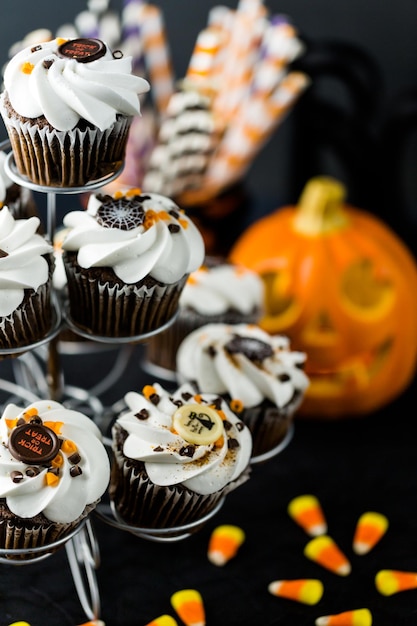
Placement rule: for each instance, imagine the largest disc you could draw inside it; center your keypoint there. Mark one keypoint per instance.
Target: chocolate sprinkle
(158, 449)
(143, 414)
(75, 458)
(232, 443)
(188, 451)
(75, 470)
(174, 228)
(16, 476)
(32, 471)
(3, 253)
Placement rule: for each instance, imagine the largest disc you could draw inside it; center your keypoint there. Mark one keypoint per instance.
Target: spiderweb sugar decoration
(121, 213)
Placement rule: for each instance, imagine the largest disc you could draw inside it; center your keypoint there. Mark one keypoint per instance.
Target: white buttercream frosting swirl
(169, 458)
(214, 290)
(30, 488)
(243, 361)
(22, 264)
(40, 81)
(136, 234)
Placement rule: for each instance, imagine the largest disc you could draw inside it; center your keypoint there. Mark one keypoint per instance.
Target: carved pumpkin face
(343, 288)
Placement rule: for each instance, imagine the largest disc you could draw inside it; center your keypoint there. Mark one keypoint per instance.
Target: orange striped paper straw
(390, 581)
(324, 551)
(358, 617)
(253, 125)
(307, 512)
(163, 620)
(157, 56)
(370, 529)
(280, 46)
(305, 590)
(240, 59)
(201, 68)
(188, 603)
(224, 543)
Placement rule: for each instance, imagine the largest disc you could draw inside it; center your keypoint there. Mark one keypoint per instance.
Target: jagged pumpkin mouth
(354, 373)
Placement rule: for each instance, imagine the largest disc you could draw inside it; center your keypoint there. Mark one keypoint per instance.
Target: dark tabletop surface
(351, 465)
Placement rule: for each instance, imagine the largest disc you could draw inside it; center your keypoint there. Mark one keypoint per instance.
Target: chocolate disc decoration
(34, 444)
(82, 49)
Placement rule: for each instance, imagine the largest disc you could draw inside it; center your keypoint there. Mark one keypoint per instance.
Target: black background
(352, 465)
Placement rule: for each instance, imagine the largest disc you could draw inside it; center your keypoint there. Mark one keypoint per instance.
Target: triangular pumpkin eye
(364, 292)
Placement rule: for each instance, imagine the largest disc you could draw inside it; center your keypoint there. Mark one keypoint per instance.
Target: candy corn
(389, 581)
(360, 617)
(324, 551)
(306, 511)
(188, 603)
(370, 528)
(224, 543)
(163, 620)
(306, 591)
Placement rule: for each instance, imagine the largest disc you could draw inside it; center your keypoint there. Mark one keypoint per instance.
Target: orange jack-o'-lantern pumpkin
(343, 287)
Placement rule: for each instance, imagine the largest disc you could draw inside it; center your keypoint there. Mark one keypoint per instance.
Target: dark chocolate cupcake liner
(28, 534)
(112, 310)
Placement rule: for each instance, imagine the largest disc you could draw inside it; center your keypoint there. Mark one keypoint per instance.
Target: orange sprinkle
(306, 511)
(198, 398)
(135, 191)
(11, 423)
(57, 461)
(236, 406)
(61, 40)
(30, 413)
(27, 68)
(68, 446)
(188, 603)
(51, 479)
(183, 223)
(224, 543)
(55, 426)
(148, 391)
(219, 442)
(221, 414)
(324, 551)
(163, 215)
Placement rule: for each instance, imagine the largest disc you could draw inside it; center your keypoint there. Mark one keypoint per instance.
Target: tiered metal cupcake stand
(38, 374)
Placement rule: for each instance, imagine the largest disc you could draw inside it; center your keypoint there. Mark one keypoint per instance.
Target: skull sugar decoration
(343, 287)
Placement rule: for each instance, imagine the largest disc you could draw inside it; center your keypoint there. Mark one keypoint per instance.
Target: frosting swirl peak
(47, 80)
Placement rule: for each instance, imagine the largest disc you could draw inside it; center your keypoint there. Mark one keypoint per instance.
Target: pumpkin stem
(320, 207)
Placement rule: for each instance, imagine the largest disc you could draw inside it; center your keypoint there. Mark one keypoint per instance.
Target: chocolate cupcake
(260, 377)
(54, 469)
(68, 105)
(175, 456)
(127, 259)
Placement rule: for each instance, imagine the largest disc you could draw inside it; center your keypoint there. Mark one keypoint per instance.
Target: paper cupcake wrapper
(22, 534)
(111, 310)
(269, 424)
(161, 350)
(66, 159)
